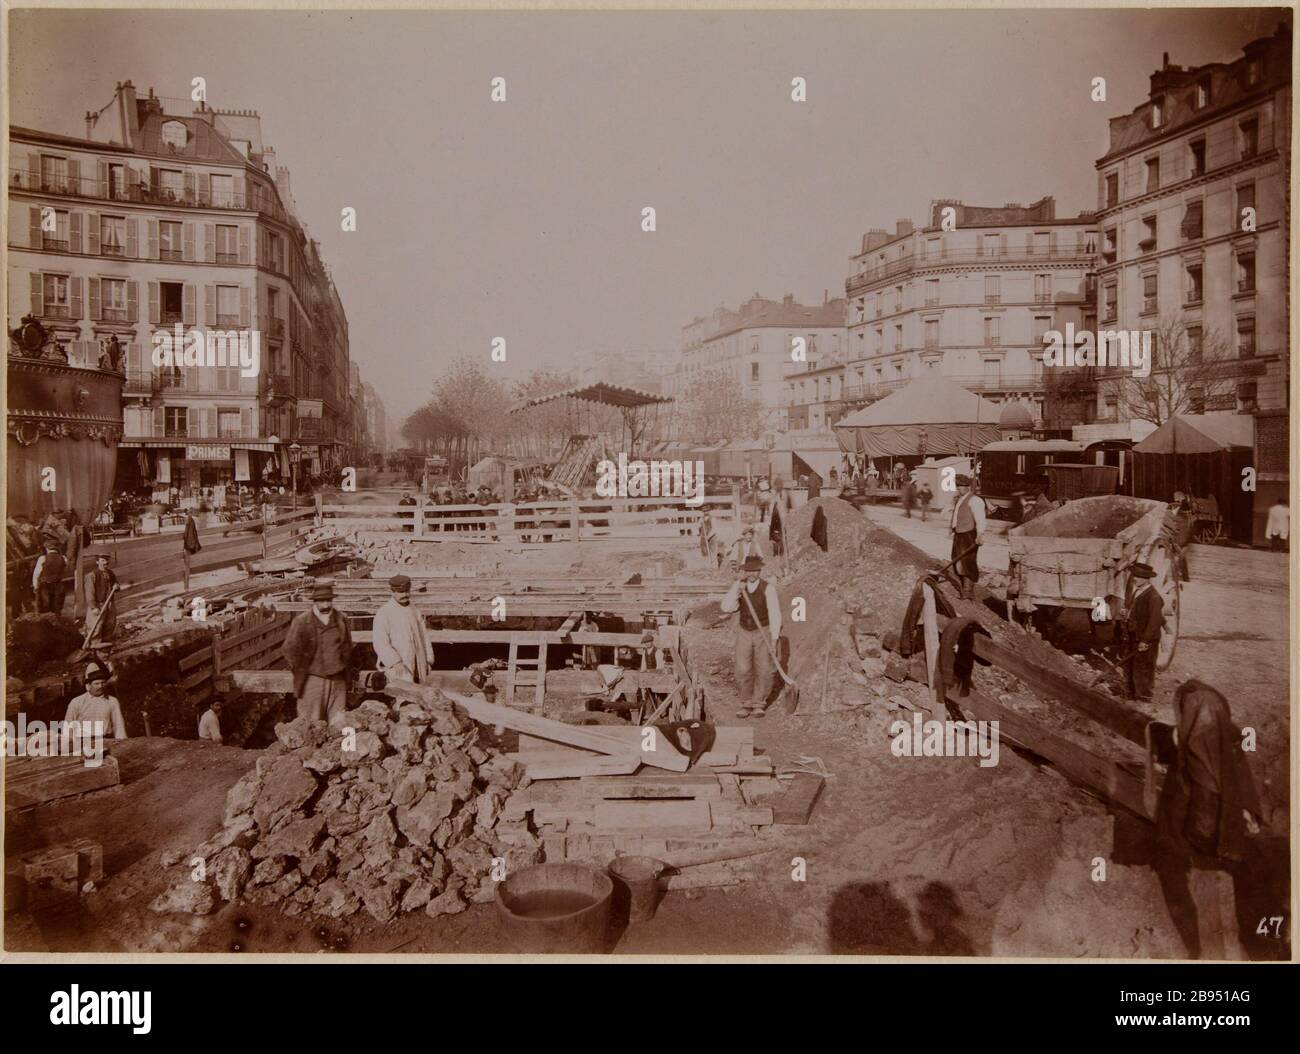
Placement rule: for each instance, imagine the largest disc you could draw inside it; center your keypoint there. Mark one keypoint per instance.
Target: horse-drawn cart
(1081, 555)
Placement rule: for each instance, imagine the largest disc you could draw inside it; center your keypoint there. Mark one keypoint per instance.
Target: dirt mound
(845, 527)
(396, 812)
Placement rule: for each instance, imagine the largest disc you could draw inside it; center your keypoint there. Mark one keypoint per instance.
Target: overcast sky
(522, 219)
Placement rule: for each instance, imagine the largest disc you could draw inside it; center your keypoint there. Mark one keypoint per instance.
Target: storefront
(195, 472)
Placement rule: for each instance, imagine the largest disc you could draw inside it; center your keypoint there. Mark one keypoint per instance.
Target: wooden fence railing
(250, 640)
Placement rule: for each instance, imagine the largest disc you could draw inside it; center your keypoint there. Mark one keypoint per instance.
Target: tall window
(754, 375)
(1110, 302)
(1110, 242)
(1245, 200)
(992, 331)
(1112, 189)
(171, 303)
(1148, 240)
(1042, 288)
(54, 173)
(931, 292)
(113, 292)
(116, 188)
(931, 332)
(54, 293)
(227, 243)
(1150, 293)
(1198, 158)
(169, 183)
(57, 239)
(1153, 174)
(228, 426)
(170, 245)
(1195, 344)
(990, 244)
(223, 191)
(227, 306)
(1042, 244)
(1194, 290)
(898, 338)
(1246, 336)
(1249, 137)
(1245, 272)
(176, 420)
(1157, 113)
(1193, 221)
(112, 235)
(898, 298)
(992, 373)
(992, 289)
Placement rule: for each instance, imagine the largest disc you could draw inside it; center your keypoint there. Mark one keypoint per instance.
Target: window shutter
(210, 305)
(244, 253)
(38, 294)
(132, 301)
(74, 296)
(92, 285)
(246, 423)
(245, 306)
(205, 188)
(155, 180)
(210, 242)
(153, 240)
(34, 239)
(187, 303)
(241, 190)
(34, 171)
(74, 176)
(74, 232)
(159, 423)
(211, 415)
(192, 426)
(133, 237)
(188, 235)
(133, 358)
(92, 233)
(155, 314)
(188, 184)
(101, 171)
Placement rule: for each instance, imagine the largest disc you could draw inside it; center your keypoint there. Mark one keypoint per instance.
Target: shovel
(81, 652)
(789, 698)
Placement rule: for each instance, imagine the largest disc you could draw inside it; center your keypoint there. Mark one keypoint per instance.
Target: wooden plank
(729, 783)
(1097, 705)
(690, 816)
(597, 765)
(198, 658)
(727, 812)
(31, 781)
(1103, 776)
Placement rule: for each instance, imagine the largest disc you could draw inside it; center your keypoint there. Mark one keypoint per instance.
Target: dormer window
(174, 133)
(1157, 113)
(1203, 93)
(1253, 70)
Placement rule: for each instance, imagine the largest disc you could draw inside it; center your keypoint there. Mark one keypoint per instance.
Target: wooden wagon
(1081, 555)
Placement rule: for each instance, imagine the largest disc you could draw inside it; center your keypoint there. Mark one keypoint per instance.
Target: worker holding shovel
(101, 587)
(758, 628)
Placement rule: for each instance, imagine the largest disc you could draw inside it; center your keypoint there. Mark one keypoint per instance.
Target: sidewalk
(932, 536)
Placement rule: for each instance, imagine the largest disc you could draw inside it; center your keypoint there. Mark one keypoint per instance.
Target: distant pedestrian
(1278, 529)
(873, 477)
(318, 649)
(909, 498)
(189, 544)
(407, 500)
(924, 495)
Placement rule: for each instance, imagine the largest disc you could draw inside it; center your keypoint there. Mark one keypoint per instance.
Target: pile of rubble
(398, 811)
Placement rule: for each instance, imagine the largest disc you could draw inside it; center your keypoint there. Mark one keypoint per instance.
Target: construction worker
(758, 628)
(210, 722)
(47, 577)
(100, 598)
(95, 706)
(967, 528)
(744, 547)
(399, 638)
(318, 649)
(1142, 631)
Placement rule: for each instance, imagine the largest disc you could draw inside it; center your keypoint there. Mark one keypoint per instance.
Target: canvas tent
(954, 420)
(497, 473)
(1202, 455)
(794, 455)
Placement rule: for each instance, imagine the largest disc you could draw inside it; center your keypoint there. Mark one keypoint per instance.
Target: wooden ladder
(524, 672)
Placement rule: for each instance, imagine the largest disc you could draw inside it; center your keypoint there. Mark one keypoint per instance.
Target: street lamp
(295, 455)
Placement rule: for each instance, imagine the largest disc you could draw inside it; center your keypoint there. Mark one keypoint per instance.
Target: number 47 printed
(1270, 927)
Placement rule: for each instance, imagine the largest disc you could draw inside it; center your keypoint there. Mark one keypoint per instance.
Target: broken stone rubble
(398, 811)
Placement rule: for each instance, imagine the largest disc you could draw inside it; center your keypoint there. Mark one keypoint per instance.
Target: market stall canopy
(1200, 434)
(955, 421)
(608, 394)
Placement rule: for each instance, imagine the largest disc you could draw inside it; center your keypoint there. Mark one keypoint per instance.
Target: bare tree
(717, 410)
(541, 431)
(477, 401)
(1191, 370)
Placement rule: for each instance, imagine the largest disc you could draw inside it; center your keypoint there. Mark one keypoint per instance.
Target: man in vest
(399, 638)
(47, 578)
(99, 586)
(967, 529)
(318, 649)
(758, 628)
(1143, 627)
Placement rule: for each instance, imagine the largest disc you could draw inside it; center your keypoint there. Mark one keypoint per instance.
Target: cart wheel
(1164, 563)
(1208, 532)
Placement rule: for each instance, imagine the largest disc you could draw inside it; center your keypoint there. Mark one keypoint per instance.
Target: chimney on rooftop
(902, 227)
(788, 300)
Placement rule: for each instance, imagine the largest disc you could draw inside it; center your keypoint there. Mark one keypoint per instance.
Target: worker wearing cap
(1143, 627)
(758, 628)
(95, 706)
(318, 649)
(967, 527)
(47, 577)
(101, 598)
(400, 641)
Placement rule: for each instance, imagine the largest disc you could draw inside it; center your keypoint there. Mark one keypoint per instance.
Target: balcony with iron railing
(978, 256)
(141, 382)
(140, 192)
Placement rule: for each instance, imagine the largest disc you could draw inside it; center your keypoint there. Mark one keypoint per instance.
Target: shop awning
(180, 442)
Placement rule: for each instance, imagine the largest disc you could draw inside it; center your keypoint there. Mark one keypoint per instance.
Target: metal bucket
(556, 908)
(636, 888)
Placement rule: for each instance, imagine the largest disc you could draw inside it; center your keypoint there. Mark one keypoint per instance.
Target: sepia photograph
(649, 485)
